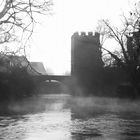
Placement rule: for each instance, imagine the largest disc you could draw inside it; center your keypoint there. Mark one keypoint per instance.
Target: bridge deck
(52, 77)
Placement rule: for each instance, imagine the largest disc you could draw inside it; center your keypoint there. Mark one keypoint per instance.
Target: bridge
(60, 78)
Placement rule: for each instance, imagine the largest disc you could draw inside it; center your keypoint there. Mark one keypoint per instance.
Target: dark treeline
(108, 81)
(16, 82)
(16, 85)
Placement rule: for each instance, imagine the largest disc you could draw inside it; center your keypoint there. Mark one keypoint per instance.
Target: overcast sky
(51, 41)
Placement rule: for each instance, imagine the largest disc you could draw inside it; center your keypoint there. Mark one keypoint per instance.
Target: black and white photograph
(69, 69)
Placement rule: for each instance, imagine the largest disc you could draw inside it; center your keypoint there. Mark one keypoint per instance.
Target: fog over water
(63, 117)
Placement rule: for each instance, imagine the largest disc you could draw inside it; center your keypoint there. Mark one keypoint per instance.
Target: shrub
(16, 85)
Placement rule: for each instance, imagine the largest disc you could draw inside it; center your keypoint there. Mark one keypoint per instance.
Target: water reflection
(52, 123)
(67, 118)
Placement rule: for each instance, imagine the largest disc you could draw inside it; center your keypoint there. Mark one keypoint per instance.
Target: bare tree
(127, 56)
(17, 19)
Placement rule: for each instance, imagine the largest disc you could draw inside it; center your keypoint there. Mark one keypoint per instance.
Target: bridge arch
(53, 83)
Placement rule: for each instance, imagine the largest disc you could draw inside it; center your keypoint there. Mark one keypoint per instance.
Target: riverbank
(16, 85)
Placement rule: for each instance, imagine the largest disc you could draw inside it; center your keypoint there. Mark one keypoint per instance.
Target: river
(63, 117)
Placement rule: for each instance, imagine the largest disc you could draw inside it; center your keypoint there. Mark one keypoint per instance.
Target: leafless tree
(127, 56)
(17, 20)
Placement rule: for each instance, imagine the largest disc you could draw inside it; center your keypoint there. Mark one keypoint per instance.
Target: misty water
(64, 117)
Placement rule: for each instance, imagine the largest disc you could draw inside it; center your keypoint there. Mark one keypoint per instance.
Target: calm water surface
(63, 117)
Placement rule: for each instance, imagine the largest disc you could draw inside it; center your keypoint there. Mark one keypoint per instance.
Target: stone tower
(86, 61)
(85, 52)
